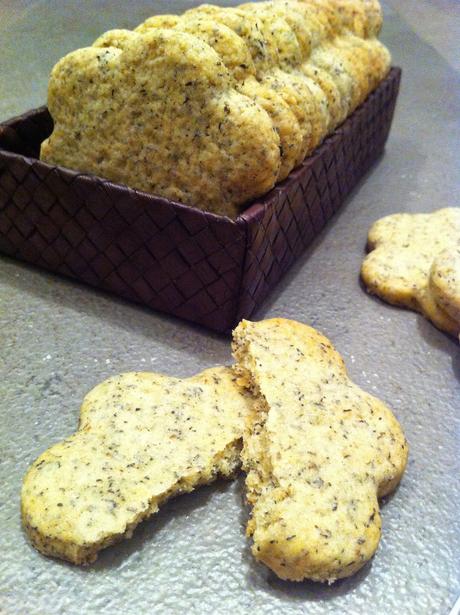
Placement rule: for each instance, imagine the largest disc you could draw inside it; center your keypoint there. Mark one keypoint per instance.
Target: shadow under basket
(196, 265)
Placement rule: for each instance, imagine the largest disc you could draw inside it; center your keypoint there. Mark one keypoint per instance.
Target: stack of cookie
(214, 107)
(318, 452)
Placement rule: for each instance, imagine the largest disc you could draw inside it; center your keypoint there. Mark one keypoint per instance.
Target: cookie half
(318, 452)
(143, 438)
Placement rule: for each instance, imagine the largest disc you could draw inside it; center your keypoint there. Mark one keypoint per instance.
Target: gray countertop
(59, 339)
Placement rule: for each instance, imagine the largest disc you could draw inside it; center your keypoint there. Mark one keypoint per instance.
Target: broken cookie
(142, 439)
(402, 250)
(318, 452)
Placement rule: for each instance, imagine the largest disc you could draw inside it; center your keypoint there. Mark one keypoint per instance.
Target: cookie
(296, 14)
(273, 24)
(260, 42)
(336, 109)
(314, 26)
(265, 45)
(374, 16)
(361, 17)
(225, 42)
(116, 38)
(352, 15)
(444, 281)
(326, 12)
(162, 115)
(287, 78)
(157, 21)
(326, 57)
(284, 121)
(370, 59)
(402, 250)
(143, 438)
(236, 57)
(318, 452)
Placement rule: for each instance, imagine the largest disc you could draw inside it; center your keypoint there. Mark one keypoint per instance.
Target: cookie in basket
(162, 115)
(236, 57)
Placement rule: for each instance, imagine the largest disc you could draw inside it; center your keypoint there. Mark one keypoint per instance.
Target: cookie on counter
(143, 438)
(318, 452)
(444, 282)
(403, 248)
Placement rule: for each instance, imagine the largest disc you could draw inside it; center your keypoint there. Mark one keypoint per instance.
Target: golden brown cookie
(444, 281)
(162, 115)
(234, 51)
(260, 42)
(116, 38)
(237, 59)
(284, 121)
(157, 21)
(265, 45)
(297, 88)
(318, 452)
(142, 439)
(213, 107)
(362, 17)
(402, 250)
(336, 109)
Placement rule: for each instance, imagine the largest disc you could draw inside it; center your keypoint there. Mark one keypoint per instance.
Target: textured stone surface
(58, 339)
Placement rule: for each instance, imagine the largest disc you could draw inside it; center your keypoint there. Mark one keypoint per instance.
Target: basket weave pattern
(195, 265)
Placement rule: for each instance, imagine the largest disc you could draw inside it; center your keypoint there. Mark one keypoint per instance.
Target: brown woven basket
(202, 267)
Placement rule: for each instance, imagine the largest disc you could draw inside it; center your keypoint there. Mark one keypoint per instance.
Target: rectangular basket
(198, 266)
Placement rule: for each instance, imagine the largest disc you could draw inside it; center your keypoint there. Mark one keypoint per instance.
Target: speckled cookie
(234, 51)
(336, 109)
(237, 59)
(307, 100)
(142, 439)
(326, 12)
(402, 250)
(318, 452)
(261, 44)
(366, 60)
(162, 115)
(116, 38)
(307, 31)
(268, 48)
(327, 58)
(284, 121)
(157, 21)
(444, 281)
(214, 107)
(362, 17)
(370, 61)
